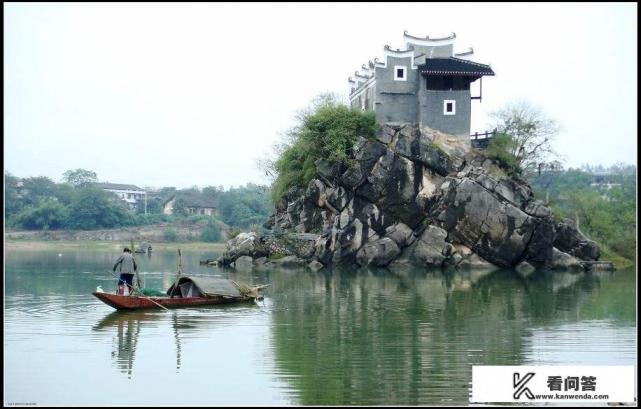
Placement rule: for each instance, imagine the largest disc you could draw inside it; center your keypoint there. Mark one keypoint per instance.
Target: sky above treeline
(171, 94)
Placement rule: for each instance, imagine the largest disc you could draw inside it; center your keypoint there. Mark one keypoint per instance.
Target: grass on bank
(105, 245)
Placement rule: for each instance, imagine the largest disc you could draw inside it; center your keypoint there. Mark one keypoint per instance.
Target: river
(334, 337)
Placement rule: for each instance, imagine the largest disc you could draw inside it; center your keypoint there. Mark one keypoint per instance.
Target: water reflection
(408, 337)
(342, 336)
(127, 327)
(130, 326)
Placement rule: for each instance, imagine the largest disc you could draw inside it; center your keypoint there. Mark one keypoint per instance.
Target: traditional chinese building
(426, 83)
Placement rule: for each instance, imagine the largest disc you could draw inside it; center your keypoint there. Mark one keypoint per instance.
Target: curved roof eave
(429, 41)
(465, 53)
(397, 51)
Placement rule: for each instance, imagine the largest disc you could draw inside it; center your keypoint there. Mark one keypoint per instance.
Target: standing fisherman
(127, 269)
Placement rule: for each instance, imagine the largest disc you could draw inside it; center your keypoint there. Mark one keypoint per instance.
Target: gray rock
(246, 244)
(353, 177)
(524, 269)
(372, 210)
(288, 261)
(537, 208)
(323, 249)
(474, 262)
(498, 231)
(315, 265)
(486, 181)
(328, 171)
(243, 262)
(401, 234)
(385, 135)
(564, 261)
(260, 261)
(428, 250)
(338, 197)
(570, 240)
(379, 253)
(434, 158)
(346, 242)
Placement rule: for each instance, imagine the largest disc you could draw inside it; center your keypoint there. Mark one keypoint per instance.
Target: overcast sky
(192, 94)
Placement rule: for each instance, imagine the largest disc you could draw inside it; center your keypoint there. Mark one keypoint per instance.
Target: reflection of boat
(117, 318)
(189, 292)
(128, 325)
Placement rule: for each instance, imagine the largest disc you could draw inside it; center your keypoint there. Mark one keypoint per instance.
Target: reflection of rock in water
(407, 337)
(563, 280)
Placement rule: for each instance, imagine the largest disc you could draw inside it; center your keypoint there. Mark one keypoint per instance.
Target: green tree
(500, 149)
(244, 205)
(80, 177)
(92, 208)
(327, 130)
(48, 214)
(12, 200)
(170, 234)
(37, 189)
(211, 233)
(606, 214)
(65, 193)
(530, 134)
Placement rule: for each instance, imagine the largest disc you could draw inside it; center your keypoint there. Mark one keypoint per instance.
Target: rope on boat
(248, 291)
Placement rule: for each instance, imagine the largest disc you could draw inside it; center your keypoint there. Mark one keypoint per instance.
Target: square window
(449, 107)
(400, 73)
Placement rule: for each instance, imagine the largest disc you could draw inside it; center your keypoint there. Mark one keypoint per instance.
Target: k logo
(519, 385)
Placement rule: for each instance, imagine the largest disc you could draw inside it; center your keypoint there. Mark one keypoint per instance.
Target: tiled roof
(192, 200)
(454, 66)
(118, 186)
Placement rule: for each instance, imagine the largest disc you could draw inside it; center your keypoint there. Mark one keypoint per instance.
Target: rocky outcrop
(412, 196)
(570, 240)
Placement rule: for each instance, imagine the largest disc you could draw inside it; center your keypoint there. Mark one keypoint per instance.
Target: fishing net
(149, 292)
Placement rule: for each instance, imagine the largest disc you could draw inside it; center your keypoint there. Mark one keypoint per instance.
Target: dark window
(400, 73)
(449, 107)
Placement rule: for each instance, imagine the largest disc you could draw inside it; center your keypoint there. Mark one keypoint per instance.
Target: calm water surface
(402, 337)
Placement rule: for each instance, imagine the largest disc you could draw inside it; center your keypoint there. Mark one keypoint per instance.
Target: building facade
(427, 84)
(128, 193)
(193, 205)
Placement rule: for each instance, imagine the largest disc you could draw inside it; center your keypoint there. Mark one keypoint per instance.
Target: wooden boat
(189, 292)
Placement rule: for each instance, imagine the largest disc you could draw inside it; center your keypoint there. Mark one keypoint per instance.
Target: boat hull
(126, 302)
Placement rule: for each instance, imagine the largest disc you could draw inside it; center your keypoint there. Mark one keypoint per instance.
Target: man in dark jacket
(127, 269)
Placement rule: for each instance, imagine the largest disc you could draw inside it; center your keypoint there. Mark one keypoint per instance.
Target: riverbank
(178, 231)
(106, 245)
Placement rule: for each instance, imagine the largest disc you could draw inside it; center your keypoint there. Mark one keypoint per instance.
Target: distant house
(20, 189)
(606, 180)
(193, 203)
(128, 193)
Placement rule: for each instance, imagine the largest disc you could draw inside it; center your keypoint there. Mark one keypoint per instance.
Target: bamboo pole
(180, 269)
(133, 251)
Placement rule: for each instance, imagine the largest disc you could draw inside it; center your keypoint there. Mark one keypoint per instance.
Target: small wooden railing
(481, 140)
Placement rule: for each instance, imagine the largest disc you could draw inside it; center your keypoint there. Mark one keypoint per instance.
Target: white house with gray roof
(127, 193)
(427, 83)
